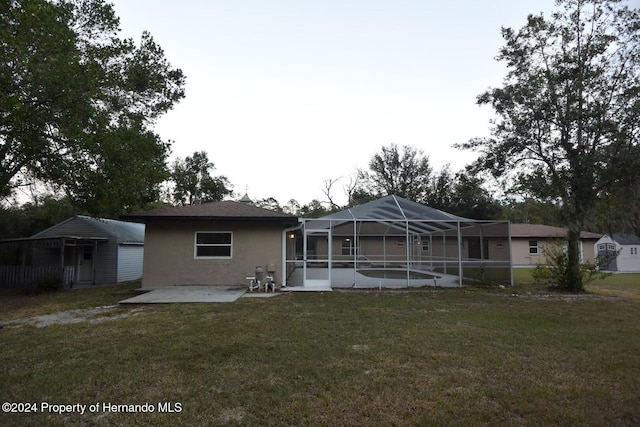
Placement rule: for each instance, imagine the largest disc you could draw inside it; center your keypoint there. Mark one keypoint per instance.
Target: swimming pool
(388, 278)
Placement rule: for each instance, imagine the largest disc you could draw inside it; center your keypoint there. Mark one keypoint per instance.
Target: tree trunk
(573, 274)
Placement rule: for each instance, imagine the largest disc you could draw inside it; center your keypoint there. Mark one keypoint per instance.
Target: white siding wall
(130, 262)
(628, 261)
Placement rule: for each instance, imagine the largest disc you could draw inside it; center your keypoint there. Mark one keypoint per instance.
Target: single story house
(619, 252)
(387, 242)
(529, 241)
(215, 244)
(84, 250)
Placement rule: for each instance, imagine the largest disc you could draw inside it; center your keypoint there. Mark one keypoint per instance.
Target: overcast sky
(285, 94)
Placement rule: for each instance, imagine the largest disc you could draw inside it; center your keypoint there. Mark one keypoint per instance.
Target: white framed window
(213, 244)
(533, 247)
(634, 251)
(425, 245)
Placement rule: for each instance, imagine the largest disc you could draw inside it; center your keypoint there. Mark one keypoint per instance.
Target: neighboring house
(86, 250)
(215, 244)
(529, 241)
(619, 252)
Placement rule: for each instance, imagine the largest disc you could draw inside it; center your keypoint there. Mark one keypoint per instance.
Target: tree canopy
(78, 103)
(404, 174)
(193, 181)
(568, 111)
(409, 174)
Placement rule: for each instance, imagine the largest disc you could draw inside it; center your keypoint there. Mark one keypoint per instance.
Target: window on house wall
(213, 244)
(533, 246)
(425, 245)
(634, 251)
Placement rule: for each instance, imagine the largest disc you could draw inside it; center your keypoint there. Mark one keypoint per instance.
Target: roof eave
(142, 218)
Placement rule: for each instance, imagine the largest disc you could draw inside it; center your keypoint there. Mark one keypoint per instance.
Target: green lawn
(493, 356)
(625, 285)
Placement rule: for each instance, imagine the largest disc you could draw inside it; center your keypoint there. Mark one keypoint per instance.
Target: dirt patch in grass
(91, 315)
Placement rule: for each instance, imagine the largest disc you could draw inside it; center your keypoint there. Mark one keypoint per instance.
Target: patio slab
(187, 294)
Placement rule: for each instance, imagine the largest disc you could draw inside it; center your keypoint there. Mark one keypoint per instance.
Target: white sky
(285, 94)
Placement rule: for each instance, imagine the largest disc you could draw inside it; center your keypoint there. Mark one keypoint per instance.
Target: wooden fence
(15, 276)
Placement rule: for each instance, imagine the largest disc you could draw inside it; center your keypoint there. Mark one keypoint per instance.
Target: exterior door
(317, 258)
(607, 257)
(85, 264)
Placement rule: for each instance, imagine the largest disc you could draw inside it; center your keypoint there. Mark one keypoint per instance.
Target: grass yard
(492, 356)
(626, 285)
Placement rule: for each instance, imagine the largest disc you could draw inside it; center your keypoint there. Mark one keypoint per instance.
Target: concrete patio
(193, 294)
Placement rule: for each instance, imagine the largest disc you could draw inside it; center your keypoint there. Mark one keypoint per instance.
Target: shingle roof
(225, 210)
(548, 231)
(626, 239)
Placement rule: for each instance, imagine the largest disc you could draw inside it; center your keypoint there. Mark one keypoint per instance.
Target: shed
(88, 251)
(619, 252)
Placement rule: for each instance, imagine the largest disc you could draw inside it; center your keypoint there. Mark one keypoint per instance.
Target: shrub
(51, 282)
(555, 274)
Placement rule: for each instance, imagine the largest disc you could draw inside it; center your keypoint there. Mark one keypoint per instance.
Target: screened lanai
(394, 242)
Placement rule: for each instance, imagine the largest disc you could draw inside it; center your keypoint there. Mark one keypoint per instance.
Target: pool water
(396, 274)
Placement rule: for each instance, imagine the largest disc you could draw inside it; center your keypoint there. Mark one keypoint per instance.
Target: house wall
(130, 259)
(106, 262)
(496, 249)
(522, 257)
(169, 253)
